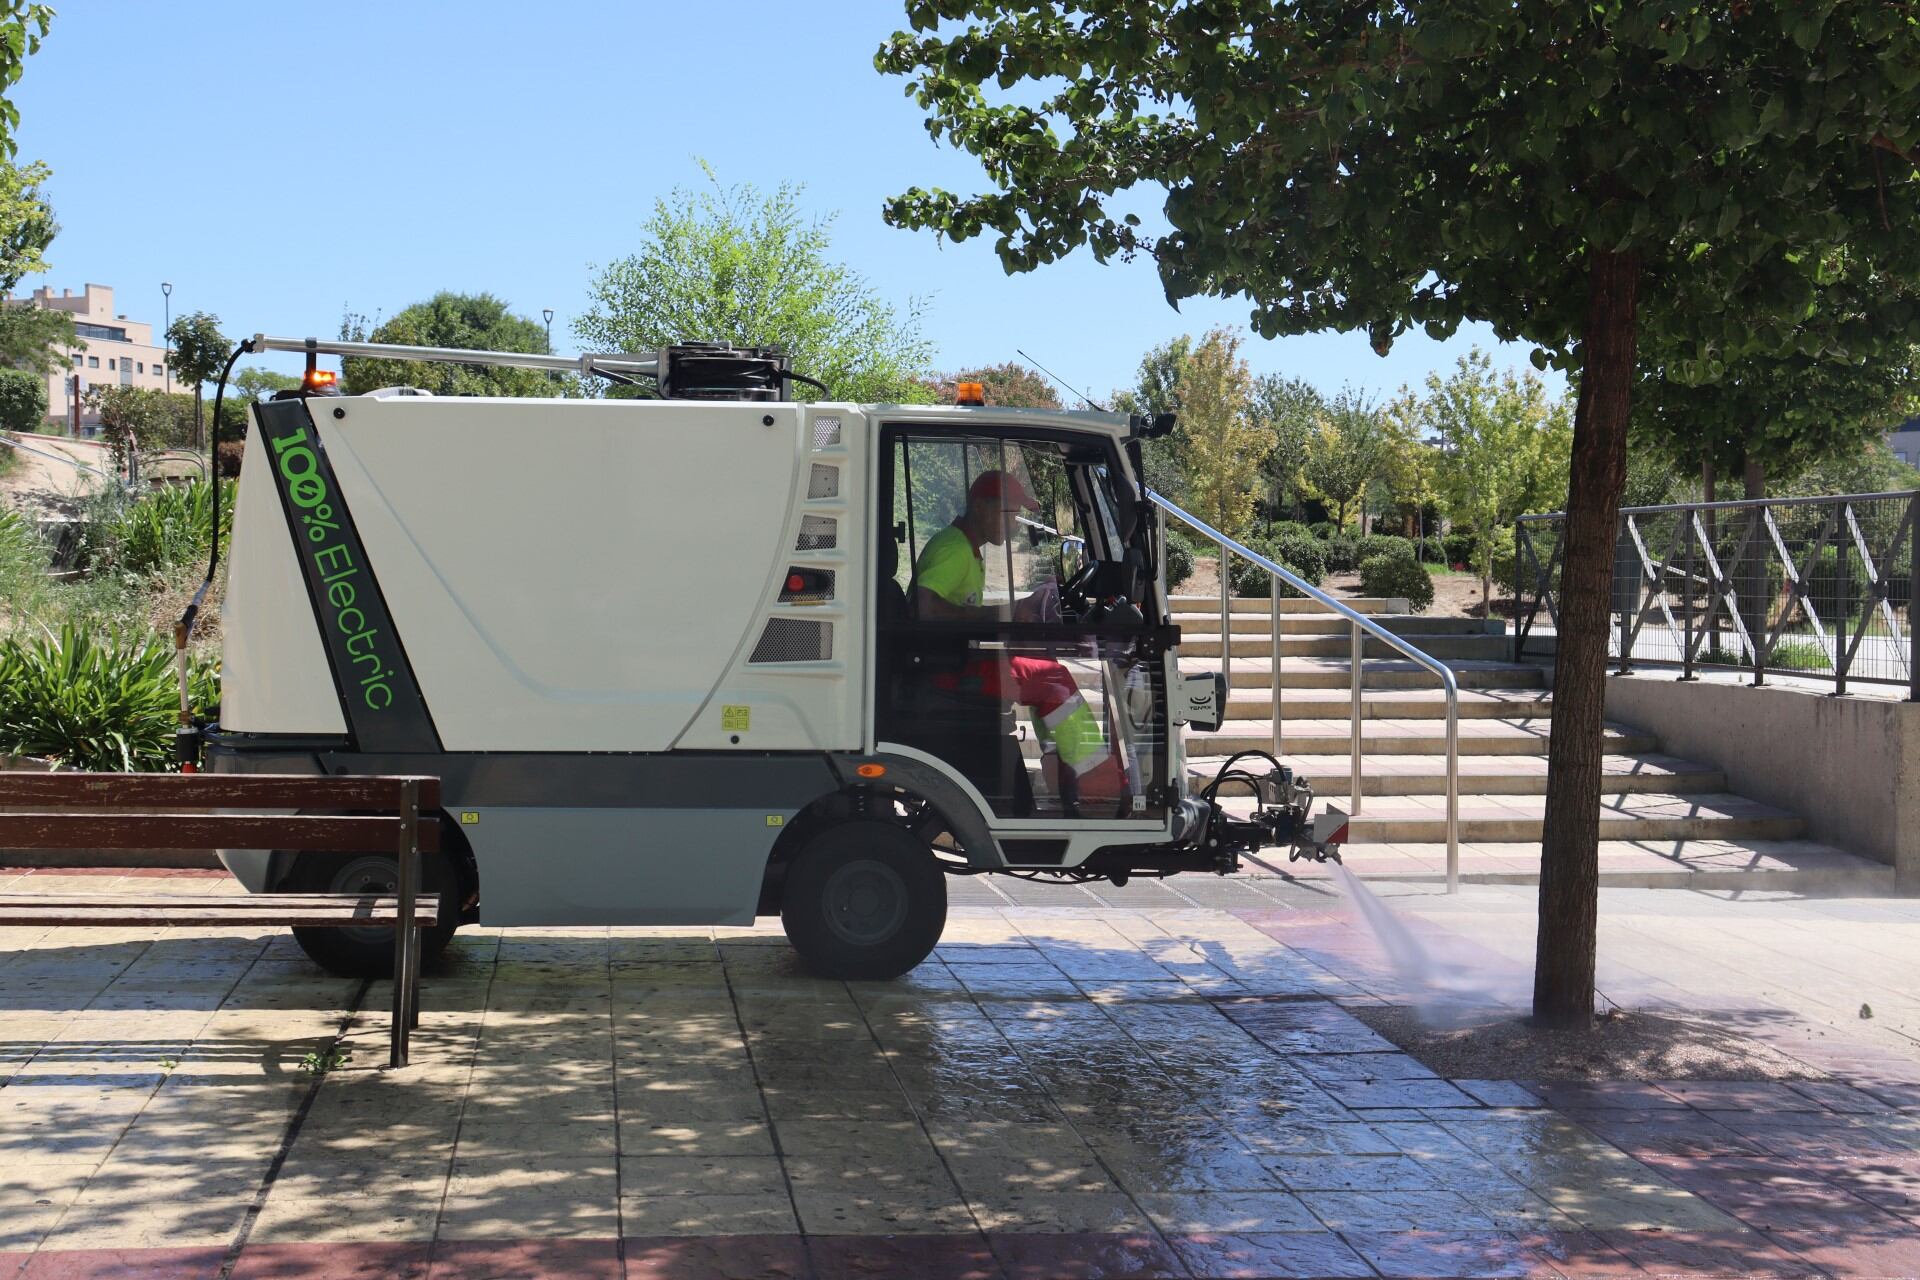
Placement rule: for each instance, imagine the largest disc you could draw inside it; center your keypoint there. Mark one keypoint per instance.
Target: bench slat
(212, 790)
(302, 833)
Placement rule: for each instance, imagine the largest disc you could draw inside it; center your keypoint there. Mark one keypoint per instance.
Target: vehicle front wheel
(864, 900)
(368, 952)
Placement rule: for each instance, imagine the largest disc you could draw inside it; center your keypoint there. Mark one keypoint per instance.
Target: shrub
(1800, 655)
(23, 401)
(1385, 544)
(1432, 551)
(1321, 529)
(1179, 557)
(1289, 529)
(1343, 554)
(1403, 576)
(227, 458)
(160, 530)
(1293, 551)
(1460, 546)
(106, 703)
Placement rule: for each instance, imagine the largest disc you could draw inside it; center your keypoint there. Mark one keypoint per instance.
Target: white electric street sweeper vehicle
(715, 654)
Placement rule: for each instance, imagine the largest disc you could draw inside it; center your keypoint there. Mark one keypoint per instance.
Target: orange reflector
(872, 771)
(321, 377)
(974, 393)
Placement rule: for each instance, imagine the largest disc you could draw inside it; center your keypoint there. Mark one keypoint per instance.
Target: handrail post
(1273, 613)
(1913, 601)
(1686, 603)
(407, 851)
(1453, 786)
(1845, 589)
(1226, 624)
(1356, 658)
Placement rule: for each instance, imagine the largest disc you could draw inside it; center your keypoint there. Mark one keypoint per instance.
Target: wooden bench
(397, 815)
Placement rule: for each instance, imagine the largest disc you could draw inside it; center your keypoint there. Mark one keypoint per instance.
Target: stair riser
(1484, 648)
(1241, 604)
(1244, 679)
(1207, 626)
(1225, 744)
(1336, 786)
(1364, 830)
(1379, 707)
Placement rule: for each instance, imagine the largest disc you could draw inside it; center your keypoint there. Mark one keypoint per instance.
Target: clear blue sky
(280, 162)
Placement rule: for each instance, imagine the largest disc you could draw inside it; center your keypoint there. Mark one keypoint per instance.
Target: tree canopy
(1226, 445)
(29, 336)
(1601, 180)
(22, 26)
(731, 264)
(1009, 384)
(1504, 445)
(469, 321)
(1289, 409)
(1345, 453)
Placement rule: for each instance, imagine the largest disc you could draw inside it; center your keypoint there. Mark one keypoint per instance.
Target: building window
(139, 367)
(113, 333)
(110, 362)
(93, 362)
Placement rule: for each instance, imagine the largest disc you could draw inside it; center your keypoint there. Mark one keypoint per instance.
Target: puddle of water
(1445, 982)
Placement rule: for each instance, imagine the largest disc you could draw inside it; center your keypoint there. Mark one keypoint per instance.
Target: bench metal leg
(406, 951)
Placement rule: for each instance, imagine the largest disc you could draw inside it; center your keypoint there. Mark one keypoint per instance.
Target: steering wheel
(1074, 600)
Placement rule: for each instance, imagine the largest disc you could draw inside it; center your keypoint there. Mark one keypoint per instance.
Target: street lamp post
(166, 339)
(547, 315)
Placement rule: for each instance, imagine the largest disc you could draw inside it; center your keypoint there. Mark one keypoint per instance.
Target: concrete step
(1639, 817)
(1240, 604)
(1206, 625)
(1789, 866)
(1516, 737)
(1394, 674)
(1426, 775)
(1486, 648)
(1389, 704)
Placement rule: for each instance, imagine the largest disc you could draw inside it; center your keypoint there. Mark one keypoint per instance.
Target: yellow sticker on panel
(736, 719)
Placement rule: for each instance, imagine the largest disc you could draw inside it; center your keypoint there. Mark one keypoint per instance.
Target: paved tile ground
(1164, 1080)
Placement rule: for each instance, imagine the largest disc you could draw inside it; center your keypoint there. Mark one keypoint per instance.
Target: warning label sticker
(736, 719)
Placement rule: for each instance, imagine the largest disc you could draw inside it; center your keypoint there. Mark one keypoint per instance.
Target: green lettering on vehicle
(306, 488)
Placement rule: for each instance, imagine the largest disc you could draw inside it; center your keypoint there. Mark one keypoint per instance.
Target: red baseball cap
(1013, 495)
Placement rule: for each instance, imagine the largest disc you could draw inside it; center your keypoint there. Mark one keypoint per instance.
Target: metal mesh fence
(1817, 587)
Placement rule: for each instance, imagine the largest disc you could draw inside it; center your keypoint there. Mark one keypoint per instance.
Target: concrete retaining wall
(1850, 766)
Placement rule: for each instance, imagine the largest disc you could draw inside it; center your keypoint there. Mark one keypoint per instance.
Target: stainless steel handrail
(1360, 626)
(77, 465)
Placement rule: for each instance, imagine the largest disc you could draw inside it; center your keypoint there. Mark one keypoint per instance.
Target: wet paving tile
(1261, 1256)
(1144, 1256)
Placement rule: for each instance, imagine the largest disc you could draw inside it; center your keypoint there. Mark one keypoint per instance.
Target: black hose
(213, 471)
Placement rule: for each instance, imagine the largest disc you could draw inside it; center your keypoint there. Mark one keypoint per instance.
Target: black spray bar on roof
(686, 371)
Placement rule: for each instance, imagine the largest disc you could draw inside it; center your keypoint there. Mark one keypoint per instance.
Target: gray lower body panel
(586, 866)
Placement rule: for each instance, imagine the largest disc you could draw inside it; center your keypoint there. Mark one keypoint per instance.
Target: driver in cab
(950, 580)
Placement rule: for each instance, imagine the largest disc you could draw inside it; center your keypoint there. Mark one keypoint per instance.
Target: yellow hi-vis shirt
(951, 569)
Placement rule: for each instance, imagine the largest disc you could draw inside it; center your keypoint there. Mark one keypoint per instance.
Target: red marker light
(796, 583)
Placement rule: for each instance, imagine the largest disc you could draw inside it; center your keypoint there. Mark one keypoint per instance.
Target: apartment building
(1904, 440)
(108, 348)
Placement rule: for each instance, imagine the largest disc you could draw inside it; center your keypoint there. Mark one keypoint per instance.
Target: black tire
(368, 953)
(864, 900)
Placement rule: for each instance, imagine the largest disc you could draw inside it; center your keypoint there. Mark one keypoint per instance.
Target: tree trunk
(1755, 475)
(1570, 853)
(198, 425)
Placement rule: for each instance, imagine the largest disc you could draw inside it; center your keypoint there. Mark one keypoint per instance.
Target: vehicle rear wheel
(864, 900)
(368, 952)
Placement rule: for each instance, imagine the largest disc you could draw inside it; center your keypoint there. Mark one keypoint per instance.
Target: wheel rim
(866, 902)
(367, 874)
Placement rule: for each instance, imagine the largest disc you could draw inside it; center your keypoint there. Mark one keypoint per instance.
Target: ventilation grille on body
(818, 533)
(826, 432)
(824, 483)
(794, 640)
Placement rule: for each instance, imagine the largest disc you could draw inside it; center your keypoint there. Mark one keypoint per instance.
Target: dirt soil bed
(1495, 1045)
